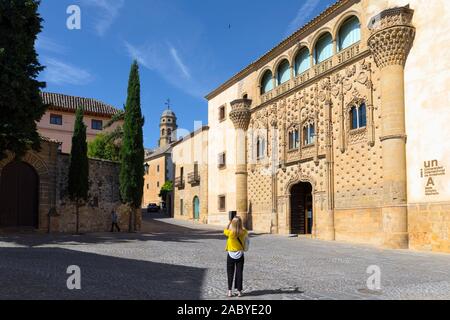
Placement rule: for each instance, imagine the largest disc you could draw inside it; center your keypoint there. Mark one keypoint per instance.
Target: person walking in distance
(115, 220)
(237, 239)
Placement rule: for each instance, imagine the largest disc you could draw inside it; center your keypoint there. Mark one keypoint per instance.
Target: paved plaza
(179, 260)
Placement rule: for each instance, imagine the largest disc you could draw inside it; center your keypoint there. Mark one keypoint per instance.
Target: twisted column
(392, 36)
(240, 115)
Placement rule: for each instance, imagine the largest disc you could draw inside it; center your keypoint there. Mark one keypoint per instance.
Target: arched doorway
(19, 196)
(196, 206)
(301, 208)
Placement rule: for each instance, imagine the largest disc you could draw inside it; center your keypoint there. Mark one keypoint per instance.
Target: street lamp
(146, 166)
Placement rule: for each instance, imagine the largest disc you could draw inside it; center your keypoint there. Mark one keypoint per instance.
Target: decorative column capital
(240, 113)
(392, 36)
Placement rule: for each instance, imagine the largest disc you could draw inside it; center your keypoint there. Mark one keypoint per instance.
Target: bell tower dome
(167, 127)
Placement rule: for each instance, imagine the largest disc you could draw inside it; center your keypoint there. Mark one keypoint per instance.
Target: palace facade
(341, 131)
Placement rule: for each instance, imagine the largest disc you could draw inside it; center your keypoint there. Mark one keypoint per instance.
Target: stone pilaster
(240, 115)
(392, 36)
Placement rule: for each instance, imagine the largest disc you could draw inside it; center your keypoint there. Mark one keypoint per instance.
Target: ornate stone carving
(392, 36)
(240, 113)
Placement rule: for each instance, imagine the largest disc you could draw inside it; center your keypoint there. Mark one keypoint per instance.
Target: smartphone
(232, 215)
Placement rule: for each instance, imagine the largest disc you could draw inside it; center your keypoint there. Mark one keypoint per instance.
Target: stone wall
(104, 196)
(429, 227)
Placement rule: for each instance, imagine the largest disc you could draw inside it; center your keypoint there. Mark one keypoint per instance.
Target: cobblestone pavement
(179, 260)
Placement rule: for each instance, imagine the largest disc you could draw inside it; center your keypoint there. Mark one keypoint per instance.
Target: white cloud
(46, 44)
(108, 11)
(180, 63)
(166, 61)
(58, 72)
(303, 15)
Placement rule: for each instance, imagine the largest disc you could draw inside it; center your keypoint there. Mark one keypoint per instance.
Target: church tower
(167, 127)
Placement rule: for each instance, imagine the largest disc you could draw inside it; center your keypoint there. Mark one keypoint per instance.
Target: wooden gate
(19, 196)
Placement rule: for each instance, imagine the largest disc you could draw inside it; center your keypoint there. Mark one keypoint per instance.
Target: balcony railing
(179, 183)
(194, 178)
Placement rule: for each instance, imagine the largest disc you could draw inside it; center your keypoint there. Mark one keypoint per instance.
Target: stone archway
(19, 196)
(285, 203)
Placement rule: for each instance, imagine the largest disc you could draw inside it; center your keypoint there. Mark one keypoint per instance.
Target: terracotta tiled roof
(47, 139)
(63, 102)
(280, 47)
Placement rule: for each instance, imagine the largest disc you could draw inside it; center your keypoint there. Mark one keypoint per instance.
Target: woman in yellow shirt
(236, 235)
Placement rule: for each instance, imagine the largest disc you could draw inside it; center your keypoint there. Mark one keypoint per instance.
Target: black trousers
(235, 271)
(114, 224)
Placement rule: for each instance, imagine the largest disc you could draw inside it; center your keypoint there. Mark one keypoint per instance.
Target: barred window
(222, 160)
(222, 203)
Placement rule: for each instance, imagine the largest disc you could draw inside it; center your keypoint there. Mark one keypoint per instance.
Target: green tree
(79, 167)
(105, 147)
(132, 151)
(165, 190)
(20, 102)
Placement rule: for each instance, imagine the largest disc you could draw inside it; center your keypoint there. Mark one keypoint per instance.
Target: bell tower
(167, 127)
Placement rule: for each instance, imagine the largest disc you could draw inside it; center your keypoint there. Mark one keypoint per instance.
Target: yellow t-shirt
(233, 244)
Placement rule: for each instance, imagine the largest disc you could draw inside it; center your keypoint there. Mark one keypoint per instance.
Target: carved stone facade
(331, 141)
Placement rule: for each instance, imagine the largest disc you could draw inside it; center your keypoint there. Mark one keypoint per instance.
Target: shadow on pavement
(273, 292)
(153, 229)
(41, 273)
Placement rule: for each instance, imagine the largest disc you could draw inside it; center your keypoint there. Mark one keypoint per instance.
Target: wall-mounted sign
(431, 171)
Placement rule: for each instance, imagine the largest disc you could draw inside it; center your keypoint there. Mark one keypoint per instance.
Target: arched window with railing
(358, 116)
(349, 33)
(324, 48)
(283, 72)
(302, 61)
(266, 82)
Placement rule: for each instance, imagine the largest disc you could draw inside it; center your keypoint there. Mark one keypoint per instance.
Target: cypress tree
(132, 151)
(20, 102)
(79, 166)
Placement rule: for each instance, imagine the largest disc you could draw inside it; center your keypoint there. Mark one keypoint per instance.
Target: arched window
(163, 132)
(302, 61)
(266, 82)
(358, 116)
(283, 72)
(294, 138)
(324, 48)
(308, 134)
(349, 33)
(169, 132)
(260, 148)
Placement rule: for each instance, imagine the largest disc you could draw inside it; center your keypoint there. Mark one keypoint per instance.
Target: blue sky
(185, 48)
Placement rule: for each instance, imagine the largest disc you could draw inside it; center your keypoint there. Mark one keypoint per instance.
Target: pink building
(59, 120)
